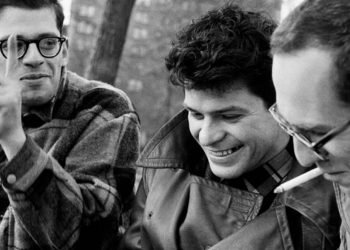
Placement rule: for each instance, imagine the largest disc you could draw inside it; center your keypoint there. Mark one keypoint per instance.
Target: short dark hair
(37, 4)
(224, 45)
(320, 24)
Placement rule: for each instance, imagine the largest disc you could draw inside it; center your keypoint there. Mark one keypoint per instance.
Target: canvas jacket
(176, 208)
(67, 186)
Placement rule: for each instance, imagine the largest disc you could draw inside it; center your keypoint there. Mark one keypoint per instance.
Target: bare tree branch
(109, 46)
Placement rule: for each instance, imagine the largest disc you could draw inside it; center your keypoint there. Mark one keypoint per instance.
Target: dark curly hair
(320, 24)
(225, 45)
(37, 4)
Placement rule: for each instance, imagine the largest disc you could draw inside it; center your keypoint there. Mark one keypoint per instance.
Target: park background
(124, 43)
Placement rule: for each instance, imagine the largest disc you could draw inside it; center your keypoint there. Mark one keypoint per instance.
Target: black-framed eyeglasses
(317, 146)
(48, 47)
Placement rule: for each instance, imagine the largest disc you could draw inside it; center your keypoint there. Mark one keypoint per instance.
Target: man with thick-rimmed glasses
(68, 145)
(311, 73)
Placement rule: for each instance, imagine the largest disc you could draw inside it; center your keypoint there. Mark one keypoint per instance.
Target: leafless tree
(110, 42)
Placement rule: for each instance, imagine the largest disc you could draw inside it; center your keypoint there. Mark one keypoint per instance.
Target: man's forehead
(238, 100)
(304, 83)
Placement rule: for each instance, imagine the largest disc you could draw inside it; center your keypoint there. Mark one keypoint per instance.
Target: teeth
(224, 152)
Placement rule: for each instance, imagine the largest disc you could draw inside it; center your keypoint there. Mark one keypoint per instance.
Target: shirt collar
(43, 113)
(266, 178)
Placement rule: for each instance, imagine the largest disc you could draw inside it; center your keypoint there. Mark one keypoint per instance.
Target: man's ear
(65, 53)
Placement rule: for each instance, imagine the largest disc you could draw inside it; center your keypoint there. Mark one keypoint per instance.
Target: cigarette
(298, 180)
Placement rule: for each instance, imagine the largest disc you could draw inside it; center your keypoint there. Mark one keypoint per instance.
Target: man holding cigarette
(210, 172)
(311, 73)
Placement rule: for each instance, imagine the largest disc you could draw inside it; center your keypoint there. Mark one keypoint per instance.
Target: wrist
(13, 144)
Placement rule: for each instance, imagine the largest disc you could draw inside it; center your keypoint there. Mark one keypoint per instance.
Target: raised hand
(12, 135)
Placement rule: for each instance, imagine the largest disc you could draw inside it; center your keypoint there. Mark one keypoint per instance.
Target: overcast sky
(66, 6)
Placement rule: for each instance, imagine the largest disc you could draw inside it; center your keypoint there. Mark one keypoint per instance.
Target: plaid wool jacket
(68, 185)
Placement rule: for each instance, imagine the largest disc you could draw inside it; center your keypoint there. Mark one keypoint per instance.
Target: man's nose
(33, 57)
(304, 155)
(210, 133)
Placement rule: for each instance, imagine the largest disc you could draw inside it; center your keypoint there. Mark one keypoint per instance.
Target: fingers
(12, 60)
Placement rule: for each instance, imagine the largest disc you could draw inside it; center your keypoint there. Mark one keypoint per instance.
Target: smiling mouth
(224, 153)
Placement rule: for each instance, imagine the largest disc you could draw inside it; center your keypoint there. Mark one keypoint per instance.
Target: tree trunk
(109, 45)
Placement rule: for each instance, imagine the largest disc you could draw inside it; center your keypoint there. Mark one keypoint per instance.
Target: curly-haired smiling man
(209, 173)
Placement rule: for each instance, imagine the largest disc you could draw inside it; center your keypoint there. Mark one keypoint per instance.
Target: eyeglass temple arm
(329, 136)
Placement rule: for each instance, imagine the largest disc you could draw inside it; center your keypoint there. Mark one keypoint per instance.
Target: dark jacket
(176, 208)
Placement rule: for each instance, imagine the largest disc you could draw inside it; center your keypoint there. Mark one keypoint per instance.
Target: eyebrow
(226, 109)
(309, 127)
(39, 36)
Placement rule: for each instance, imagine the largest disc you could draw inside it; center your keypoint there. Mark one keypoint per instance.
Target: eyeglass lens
(48, 47)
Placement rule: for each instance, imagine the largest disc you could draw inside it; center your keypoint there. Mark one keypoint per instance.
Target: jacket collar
(172, 146)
